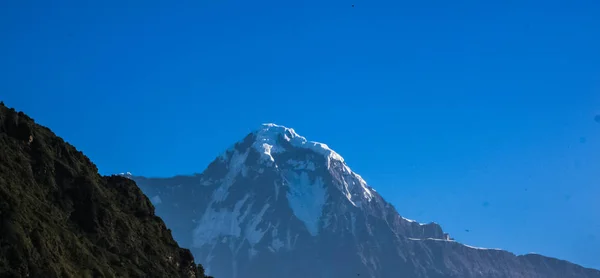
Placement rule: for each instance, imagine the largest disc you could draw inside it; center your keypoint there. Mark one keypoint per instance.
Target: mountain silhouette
(60, 218)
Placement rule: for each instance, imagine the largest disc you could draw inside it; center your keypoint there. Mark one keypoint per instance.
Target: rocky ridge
(60, 218)
(278, 205)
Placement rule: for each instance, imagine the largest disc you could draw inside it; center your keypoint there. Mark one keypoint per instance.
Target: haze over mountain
(278, 205)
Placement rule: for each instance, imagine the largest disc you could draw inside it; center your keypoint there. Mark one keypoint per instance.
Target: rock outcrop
(60, 218)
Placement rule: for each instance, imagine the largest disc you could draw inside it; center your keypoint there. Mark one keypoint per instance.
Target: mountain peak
(276, 198)
(272, 138)
(268, 136)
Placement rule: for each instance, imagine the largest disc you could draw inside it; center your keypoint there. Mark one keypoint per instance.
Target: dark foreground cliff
(60, 218)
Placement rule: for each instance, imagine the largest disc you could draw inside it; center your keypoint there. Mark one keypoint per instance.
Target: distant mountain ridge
(278, 205)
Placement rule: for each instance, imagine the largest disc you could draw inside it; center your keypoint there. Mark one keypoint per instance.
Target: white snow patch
(266, 150)
(409, 220)
(266, 144)
(366, 191)
(253, 234)
(413, 221)
(214, 224)
(453, 242)
(252, 252)
(205, 183)
(235, 166)
(352, 185)
(346, 191)
(306, 199)
(423, 239)
(276, 243)
(291, 242)
(480, 248)
(126, 175)
(327, 221)
(267, 136)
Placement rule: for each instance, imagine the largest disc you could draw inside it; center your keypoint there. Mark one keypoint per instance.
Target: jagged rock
(60, 218)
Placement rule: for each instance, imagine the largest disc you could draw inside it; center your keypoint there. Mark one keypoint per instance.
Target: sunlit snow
(306, 199)
(267, 143)
(267, 136)
(236, 166)
(216, 223)
(253, 233)
(452, 242)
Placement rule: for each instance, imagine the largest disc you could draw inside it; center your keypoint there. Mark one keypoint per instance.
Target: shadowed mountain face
(277, 205)
(60, 218)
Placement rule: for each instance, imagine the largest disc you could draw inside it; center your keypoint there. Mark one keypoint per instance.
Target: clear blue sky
(473, 114)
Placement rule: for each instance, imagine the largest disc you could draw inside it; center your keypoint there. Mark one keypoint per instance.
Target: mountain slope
(60, 218)
(278, 205)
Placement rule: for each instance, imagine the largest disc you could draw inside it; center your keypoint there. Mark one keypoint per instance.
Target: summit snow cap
(271, 139)
(267, 141)
(267, 137)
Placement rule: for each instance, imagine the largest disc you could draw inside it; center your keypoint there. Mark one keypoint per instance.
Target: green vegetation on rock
(60, 218)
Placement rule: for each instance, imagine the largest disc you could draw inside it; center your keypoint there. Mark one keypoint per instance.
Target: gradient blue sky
(473, 114)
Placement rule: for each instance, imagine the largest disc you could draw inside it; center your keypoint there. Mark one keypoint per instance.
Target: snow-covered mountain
(278, 205)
